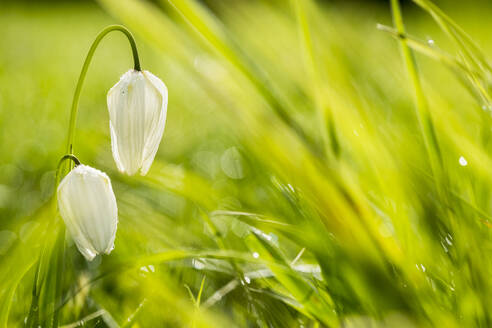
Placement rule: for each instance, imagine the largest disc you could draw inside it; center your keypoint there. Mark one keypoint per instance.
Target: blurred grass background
(292, 187)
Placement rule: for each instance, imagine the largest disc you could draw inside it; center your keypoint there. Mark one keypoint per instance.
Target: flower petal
(88, 207)
(137, 107)
(156, 120)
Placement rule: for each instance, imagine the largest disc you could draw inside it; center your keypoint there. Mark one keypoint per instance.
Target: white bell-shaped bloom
(137, 107)
(88, 206)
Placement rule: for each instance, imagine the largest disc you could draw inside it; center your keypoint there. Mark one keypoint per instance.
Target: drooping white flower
(137, 107)
(87, 205)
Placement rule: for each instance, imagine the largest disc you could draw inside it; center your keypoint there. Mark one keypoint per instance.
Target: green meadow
(324, 164)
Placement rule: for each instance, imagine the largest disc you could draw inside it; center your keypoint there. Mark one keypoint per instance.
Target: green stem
(60, 265)
(83, 73)
(33, 316)
(60, 244)
(323, 111)
(423, 114)
(58, 168)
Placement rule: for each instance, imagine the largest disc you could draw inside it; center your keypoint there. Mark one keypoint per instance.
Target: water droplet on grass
(463, 161)
(448, 240)
(197, 264)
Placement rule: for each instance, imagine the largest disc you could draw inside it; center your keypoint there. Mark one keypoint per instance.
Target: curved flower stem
(59, 257)
(64, 158)
(80, 82)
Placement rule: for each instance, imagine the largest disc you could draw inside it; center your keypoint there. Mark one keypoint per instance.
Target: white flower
(137, 107)
(88, 206)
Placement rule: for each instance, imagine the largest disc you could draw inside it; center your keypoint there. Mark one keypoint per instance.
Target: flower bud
(137, 107)
(87, 205)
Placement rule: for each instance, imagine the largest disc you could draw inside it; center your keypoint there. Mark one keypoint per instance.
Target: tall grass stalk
(250, 215)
